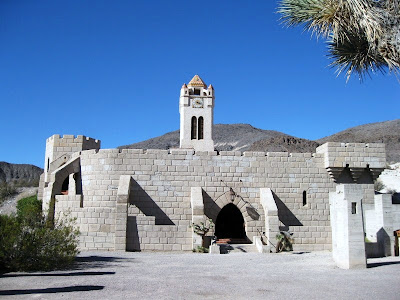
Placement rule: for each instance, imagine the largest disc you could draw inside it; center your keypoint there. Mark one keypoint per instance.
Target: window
(353, 208)
(304, 198)
(194, 128)
(196, 92)
(201, 128)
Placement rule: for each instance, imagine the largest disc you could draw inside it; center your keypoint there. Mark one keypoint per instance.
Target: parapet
(68, 140)
(353, 155)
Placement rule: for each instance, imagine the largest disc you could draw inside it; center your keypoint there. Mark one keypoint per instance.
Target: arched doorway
(230, 223)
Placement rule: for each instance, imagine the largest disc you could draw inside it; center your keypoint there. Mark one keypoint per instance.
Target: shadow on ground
(380, 264)
(93, 261)
(56, 274)
(67, 289)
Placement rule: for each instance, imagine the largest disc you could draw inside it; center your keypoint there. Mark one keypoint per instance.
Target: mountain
(229, 137)
(236, 137)
(244, 137)
(22, 174)
(387, 132)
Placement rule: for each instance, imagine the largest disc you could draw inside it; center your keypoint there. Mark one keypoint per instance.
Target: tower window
(353, 208)
(194, 128)
(304, 198)
(201, 128)
(196, 92)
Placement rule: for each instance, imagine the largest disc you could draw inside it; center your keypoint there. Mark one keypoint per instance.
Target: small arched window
(304, 198)
(194, 128)
(201, 128)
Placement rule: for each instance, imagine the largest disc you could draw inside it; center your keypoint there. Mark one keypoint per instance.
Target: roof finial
(197, 82)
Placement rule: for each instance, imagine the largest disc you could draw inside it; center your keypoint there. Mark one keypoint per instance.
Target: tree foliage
(28, 243)
(363, 35)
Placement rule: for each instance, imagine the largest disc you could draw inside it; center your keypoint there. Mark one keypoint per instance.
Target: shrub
(27, 243)
(200, 249)
(29, 208)
(378, 185)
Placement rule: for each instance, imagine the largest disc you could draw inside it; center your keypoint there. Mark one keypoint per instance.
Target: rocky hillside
(244, 137)
(22, 174)
(383, 132)
(285, 144)
(235, 137)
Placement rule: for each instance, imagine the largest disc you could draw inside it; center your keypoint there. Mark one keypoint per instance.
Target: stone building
(135, 199)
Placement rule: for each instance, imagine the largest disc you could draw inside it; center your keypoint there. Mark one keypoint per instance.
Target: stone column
(121, 212)
(348, 240)
(384, 223)
(196, 201)
(271, 215)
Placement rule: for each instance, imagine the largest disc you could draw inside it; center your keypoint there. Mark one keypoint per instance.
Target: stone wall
(156, 201)
(159, 200)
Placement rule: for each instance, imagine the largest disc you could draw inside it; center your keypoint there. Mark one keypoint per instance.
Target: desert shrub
(29, 208)
(200, 249)
(285, 241)
(27, 243)
(378, 185)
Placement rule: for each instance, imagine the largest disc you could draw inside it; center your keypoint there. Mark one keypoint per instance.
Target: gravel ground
(112, 275)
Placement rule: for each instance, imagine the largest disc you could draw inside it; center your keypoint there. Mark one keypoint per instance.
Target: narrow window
(194, 128)
(201, 127)
(48, 164)
(353, 208)
(304, 198)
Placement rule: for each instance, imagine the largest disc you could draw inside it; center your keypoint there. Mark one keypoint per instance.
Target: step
(237, 248)
(233, 241)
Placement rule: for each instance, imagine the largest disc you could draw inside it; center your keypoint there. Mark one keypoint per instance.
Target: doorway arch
(230, 223)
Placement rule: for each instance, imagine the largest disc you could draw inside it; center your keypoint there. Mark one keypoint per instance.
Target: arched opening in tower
(230, 223)
(201, 128)
(194, 128)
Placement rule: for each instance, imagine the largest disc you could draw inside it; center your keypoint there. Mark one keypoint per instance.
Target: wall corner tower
(196, 108)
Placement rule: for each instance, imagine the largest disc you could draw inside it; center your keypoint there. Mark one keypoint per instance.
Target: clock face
(198, 103)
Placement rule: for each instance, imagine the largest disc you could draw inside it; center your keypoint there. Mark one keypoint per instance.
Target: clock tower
(196, 108)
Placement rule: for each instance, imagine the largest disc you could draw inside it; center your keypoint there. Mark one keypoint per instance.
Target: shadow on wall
(211, 209)
(132, 235)
(146, 204)
(285, 215)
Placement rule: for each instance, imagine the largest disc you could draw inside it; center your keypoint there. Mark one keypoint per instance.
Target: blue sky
(112, 70)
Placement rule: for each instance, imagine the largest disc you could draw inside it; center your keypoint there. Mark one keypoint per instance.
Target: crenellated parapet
(355, 161)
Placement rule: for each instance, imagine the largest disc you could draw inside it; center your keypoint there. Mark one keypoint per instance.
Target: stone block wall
(161, 189)
(96, 224)
(353, 155)
(60, 148)
(139, 199)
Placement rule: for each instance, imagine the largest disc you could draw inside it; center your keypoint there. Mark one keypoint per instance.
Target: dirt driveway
(114, 275)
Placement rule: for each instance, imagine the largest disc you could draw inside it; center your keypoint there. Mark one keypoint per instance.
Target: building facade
(135, 199)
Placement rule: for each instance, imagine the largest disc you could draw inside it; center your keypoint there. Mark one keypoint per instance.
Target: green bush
(29, 208)
(27, 243)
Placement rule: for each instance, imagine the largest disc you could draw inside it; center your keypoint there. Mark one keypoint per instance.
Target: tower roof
(197, 82)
